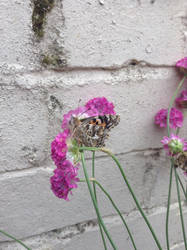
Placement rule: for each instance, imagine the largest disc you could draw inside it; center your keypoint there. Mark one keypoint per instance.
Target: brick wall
(53, 58)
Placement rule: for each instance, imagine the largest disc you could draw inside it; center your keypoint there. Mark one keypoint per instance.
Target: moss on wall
(53, 60)
(41, 8)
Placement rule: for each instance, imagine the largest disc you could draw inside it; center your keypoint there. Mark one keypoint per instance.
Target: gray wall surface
(75, 50)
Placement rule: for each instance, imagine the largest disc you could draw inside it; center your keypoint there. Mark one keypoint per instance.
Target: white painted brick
(28, 206)
(89, 36)
(23, 128)
(33, 106)
(114, 32)
(92, 34)
(138, 93)
(16, 41)
(142, 236)
(21, 49)
(89, 238)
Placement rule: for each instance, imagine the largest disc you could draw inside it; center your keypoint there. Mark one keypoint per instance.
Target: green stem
(168, 205)
(136, 201)
(171, 170)
(118, 211)
(115, 207)
(81, 149)
(93, 173)
(172, 101)
(180, 208)
(95, 203)
(177, 131)
(130, 190)
(182, 186)
(95, 194)
(12, 237)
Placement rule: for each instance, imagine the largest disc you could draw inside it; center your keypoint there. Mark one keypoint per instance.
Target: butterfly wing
(93, 131)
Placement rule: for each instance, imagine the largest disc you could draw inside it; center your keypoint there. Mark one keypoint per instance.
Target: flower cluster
(174, 145)
(100, 106)
(64, 151)
(59, 148)
(175, 121)
(64, 179)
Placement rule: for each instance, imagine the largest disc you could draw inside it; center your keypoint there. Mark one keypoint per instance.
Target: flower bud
(175, 146)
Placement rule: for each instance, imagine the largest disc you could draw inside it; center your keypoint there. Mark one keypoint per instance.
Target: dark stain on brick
(30, 153)
(133, 62)
(55, 102)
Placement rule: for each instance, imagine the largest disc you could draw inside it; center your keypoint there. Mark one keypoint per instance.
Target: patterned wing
(93, 131)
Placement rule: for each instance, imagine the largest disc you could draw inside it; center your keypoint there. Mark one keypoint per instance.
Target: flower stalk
(95, 194)
(182, 186)
(137, 203)
(130, 190)
(13, 238)
(171, 103)
(172, 161)
(118, 211)
(95, 203)
(115, 207)
(168, 205)
(180, 208)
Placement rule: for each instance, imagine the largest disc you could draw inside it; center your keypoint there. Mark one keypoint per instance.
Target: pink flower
(64, 180)
(64, 148)
(100, 106)
(174, 144)
(59, 148)
(176, 118)
(181, 101)
(182, 63)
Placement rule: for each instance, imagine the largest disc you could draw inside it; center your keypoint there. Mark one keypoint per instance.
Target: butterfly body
(93, 131)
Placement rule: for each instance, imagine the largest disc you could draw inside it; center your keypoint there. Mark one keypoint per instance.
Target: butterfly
(92, 131)
(181, 161)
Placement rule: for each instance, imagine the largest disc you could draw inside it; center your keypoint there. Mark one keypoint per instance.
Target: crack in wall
(11, 70)
(49, 169)
(130, 152)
